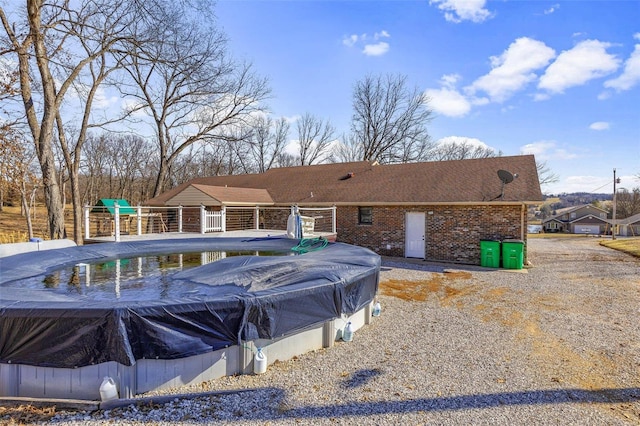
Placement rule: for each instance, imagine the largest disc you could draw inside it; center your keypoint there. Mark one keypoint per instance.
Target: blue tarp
(223, 303)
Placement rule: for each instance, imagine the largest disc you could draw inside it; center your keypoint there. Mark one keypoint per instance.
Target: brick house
(437, 211)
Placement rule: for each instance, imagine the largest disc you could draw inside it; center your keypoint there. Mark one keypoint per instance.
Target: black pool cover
(229, 301)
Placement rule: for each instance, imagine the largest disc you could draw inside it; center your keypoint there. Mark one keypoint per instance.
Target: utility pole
(613, 221)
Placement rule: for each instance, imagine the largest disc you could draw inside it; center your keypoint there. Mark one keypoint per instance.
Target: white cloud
(584, 62)
(102, 100)
(7, 70)
(293, 148)
(368, 43)
(350, 40)
(630, 75)
(381, 34)
(463, 10)
(292, 119)
(541, 97)
(547, 150)
(450, 80)
(599, 125)
(552, 9)
(377, 49)
(513, 70)
(447, 100)
(453, 140)
(578, 184)
(135, 107)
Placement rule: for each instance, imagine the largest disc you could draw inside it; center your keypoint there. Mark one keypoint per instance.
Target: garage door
(587, 229)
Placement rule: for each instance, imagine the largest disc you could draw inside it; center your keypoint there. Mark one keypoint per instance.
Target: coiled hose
(310, 244)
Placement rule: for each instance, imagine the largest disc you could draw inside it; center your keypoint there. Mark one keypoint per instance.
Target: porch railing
(116, 221)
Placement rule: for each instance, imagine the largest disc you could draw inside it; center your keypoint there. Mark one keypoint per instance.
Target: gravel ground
(556, 343)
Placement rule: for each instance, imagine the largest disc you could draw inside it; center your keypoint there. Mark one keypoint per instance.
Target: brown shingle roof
(231, 195)
(461, 181)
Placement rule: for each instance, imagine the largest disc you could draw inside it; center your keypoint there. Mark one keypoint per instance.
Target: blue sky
(557, 79)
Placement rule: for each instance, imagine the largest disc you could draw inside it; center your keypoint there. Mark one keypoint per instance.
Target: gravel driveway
(557, 343)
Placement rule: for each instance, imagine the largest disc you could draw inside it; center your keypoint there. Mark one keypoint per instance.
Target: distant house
(629, 227)
(437, 211)
(585, 219)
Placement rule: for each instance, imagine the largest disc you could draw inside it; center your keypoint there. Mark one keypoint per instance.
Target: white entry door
(414, 238)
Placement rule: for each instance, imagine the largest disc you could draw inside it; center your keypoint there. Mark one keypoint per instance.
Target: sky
(557, 79)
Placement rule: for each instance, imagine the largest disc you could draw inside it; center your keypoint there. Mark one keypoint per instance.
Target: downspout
(523, 210)
(522, 218)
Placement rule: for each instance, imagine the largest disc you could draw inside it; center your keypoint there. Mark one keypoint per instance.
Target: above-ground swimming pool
(58, 321)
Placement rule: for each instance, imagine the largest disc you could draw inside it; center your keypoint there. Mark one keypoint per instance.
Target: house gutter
(416, 203)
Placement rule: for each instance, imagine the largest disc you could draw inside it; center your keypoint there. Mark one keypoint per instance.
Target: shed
(105, 205)
(105, 210)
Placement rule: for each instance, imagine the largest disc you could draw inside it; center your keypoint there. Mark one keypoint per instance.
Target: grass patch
(13, 226)
(627, 245)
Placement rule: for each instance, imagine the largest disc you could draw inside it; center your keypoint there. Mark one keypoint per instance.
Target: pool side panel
(151, 374)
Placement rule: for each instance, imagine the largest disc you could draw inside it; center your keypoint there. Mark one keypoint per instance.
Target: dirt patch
(440, 285)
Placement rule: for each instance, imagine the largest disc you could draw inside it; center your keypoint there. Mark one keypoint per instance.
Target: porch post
(257, 217)
(333, 219)
(86, 222)
(202, 219)
(116, 218)
(139, 220)
(223, 218)
(179, 218)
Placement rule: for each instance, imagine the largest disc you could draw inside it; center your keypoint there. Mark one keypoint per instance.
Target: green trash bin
(512, 254)
(490, 253)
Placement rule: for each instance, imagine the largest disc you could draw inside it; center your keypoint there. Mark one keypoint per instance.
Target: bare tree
(117, 166)
(627, 202)
(61, 41)
(27, 42)
(461, 149)
(94, 166)
(266, 142)
(315, 136)
(187, 84)
(17, 162)
(545, 174)
(389, 122)
(346, 151)
(287, 160)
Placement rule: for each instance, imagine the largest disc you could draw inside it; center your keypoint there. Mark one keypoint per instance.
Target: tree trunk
(43, 131)
(52, 196)
(77, 207)
(25, 206)
(162, 176)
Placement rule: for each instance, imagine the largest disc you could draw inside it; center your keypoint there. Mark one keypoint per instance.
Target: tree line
(189, 108)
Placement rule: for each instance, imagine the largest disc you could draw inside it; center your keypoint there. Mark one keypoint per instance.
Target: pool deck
(249, 233)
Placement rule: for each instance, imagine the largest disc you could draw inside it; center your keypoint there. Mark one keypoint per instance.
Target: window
(365, 215)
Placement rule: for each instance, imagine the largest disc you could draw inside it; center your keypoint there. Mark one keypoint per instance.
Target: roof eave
(409, 203)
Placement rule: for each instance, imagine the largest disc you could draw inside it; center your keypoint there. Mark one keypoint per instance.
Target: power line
(594, 190)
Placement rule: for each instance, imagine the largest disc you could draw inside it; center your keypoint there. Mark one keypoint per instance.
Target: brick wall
(274, 218)
(452, 233)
